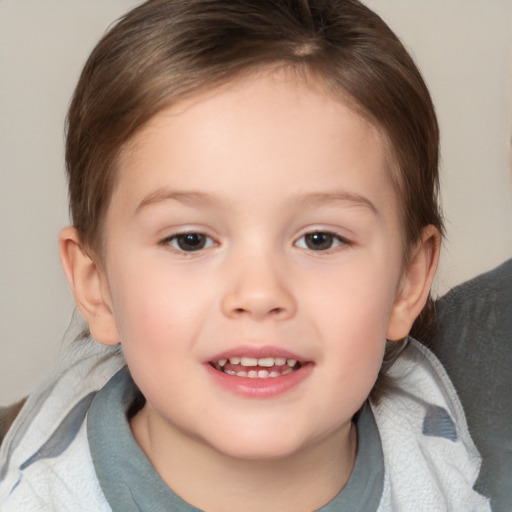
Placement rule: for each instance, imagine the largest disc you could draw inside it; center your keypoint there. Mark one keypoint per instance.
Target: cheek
(351, 312)
(355, 301)
(154, 319)
(152, 305)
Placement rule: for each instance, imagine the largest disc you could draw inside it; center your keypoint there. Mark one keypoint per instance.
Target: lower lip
(260, 388)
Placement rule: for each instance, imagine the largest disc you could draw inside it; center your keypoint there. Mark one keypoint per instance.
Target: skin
(255, 166)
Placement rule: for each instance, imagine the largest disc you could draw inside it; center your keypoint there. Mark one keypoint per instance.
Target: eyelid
(167, 240)
(340, 239)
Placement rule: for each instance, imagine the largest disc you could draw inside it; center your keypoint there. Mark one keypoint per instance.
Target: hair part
(164, 51)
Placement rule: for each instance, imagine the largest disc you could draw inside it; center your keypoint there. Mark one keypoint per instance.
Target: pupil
(191, 241)
(319, 241)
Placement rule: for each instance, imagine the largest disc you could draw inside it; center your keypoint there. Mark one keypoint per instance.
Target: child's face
(257, 221)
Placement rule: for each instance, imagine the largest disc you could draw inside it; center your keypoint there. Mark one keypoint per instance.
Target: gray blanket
(474, 342)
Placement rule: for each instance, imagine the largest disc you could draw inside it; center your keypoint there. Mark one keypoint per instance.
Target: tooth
(241, 374)
(253, 374)
(248, 361)
(274, 374)
(234, 360)
(280, 361)
(222, 362)
(230, 372)
(291, 362)
(287, 371)
(262, 374)
(266, 362)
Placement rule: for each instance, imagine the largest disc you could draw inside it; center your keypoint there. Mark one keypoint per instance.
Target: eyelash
(331, 237)
(174, 241)
(203, 241)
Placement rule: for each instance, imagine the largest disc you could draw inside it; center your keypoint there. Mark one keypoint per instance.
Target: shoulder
(431, 462)
(474, 343)
(55, 482)
(45, 463)
(474, 334)
(485, 303)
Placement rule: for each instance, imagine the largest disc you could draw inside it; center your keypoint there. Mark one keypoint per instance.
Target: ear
(89, 286)
(415, 284)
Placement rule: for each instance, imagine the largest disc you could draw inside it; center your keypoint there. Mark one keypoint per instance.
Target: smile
(256, 368)
(266, 372)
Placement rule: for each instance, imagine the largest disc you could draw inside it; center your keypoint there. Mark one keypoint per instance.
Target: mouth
(261, 373)
(257, 368)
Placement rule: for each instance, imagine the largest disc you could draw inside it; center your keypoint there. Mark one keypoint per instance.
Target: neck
(215, 482)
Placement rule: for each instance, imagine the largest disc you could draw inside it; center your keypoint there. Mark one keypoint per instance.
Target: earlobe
(89, 287)
(415, 284)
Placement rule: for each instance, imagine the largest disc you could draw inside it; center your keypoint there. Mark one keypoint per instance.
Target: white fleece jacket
(431, 463)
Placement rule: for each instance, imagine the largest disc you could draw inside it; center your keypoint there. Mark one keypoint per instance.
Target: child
(253, 188)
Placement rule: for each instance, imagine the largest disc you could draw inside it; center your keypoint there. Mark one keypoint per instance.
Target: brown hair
(165, 50)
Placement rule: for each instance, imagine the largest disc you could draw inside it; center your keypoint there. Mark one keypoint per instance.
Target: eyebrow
(313, 199)
(321, 198)
(185, 197)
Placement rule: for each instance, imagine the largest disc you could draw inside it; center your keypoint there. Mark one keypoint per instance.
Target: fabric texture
(474, 343)
(430, 460)
(137, 486)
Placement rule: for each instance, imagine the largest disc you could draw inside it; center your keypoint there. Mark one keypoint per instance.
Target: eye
(320, 241)
(188, 242)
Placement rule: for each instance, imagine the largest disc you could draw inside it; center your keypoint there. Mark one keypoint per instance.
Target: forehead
(269, 90)
(269, 126)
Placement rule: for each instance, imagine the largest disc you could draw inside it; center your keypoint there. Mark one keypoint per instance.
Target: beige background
(464, 48)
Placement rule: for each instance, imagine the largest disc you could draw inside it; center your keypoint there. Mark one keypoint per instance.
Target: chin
(276, 452)
(264, 444)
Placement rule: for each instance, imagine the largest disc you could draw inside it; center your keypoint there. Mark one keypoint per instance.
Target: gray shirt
(130, 483)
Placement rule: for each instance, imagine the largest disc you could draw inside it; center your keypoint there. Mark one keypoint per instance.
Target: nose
(256, 287)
